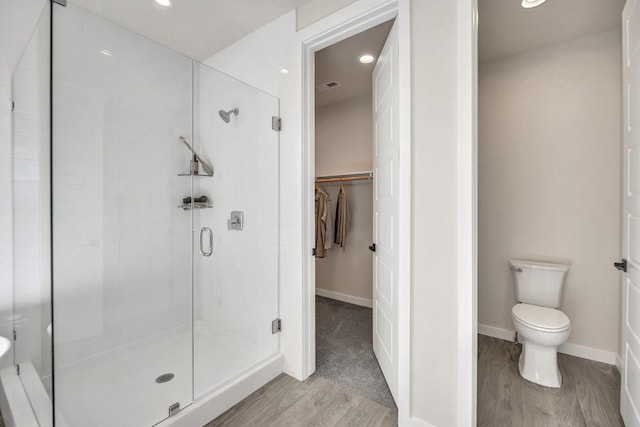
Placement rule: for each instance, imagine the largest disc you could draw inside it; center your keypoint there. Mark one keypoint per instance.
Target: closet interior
(344, 145)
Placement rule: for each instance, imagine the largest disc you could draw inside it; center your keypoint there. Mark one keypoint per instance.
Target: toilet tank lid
(538, 265)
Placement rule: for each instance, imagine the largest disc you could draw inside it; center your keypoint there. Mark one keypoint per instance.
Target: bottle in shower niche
(195, 165)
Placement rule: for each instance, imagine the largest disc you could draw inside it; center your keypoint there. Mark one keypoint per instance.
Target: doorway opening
(549, 180)
(345, 207)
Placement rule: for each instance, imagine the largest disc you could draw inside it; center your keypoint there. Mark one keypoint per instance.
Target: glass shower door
(31, 315)
(122, 241)
(236, 279)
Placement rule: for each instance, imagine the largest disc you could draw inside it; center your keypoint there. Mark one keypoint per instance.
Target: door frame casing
(342, 24)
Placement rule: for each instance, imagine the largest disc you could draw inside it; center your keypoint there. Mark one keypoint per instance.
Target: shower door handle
(208, 231)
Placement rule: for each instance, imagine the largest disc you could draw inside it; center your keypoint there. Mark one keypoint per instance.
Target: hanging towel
(342, 219)
(323, 223)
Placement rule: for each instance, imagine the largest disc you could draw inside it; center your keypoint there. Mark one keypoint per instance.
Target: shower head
(226, 115)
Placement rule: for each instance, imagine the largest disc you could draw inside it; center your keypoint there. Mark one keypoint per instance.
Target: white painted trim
(467, 216)
(618, 363)
(351, 20)
(404, 212)
(344, 298)
(595, 354)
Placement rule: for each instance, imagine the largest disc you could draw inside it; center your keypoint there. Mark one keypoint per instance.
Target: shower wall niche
(151, 304)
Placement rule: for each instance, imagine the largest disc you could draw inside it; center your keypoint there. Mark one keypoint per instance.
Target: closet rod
(346, 177)
(353, 178)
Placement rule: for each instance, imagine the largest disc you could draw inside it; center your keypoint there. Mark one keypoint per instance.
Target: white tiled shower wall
(122, 246)
(237, 287)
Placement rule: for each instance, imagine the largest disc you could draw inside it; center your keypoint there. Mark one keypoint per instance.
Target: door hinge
(174, 409)
(313, 251)
(276, 123)
(13, 105)
(622, 266)
(17, 369)
(276, 326)
(15, 335)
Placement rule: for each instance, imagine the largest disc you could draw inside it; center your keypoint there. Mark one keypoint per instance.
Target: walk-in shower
(144, 326)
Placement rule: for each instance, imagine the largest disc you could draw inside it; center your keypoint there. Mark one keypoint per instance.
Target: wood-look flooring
(589, 396)
(314, 402)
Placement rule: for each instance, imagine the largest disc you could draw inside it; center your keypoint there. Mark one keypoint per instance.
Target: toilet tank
(538, 283)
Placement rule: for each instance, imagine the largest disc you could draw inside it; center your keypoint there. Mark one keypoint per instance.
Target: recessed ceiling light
(284, 71)
(366, 58)
(528, 4)
(105, 52)
(165, 3)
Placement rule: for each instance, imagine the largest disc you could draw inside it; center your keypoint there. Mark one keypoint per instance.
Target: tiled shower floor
(120, 386)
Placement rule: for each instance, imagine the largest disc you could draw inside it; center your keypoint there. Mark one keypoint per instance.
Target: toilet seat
(542, 319)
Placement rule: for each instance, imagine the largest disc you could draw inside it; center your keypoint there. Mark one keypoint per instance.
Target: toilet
(541, 327)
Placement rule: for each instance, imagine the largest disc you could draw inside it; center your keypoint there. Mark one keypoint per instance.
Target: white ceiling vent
(328, 86)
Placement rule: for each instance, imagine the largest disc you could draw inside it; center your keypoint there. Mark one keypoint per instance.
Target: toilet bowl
(541, 330)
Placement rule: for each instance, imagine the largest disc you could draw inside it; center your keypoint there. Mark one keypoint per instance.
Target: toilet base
(539, 364)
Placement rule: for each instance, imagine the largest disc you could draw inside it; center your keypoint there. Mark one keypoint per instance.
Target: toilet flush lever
(516, 269)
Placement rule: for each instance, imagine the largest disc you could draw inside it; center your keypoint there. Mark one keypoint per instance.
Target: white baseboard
(491, 331)
(590, 353)
(344, 297)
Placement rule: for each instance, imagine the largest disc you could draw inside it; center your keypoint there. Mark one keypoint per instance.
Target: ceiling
(506, 28)
(197, 28)
(340, 63)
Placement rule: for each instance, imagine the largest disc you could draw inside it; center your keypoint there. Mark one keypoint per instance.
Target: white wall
(252, 60)
(315, 10)
(17, 21)
(549, 165)
(344, 145)
(435, 343)
(434, 268)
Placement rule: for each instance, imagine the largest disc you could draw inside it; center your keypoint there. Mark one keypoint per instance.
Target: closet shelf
(357, 176)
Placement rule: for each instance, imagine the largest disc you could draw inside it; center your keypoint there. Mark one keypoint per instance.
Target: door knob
(622, 266)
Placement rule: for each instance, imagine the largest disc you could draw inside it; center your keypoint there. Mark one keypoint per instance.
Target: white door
(630, 381)
(385, 207)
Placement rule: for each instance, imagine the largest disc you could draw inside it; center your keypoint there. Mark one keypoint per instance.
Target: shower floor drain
(164, 378)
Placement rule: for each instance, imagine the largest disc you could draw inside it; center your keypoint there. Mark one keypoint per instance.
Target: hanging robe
(342, 219)
(324, 226)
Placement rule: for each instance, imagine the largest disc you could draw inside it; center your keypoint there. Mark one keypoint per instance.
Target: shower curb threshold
(216, 402)
(23, 399)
